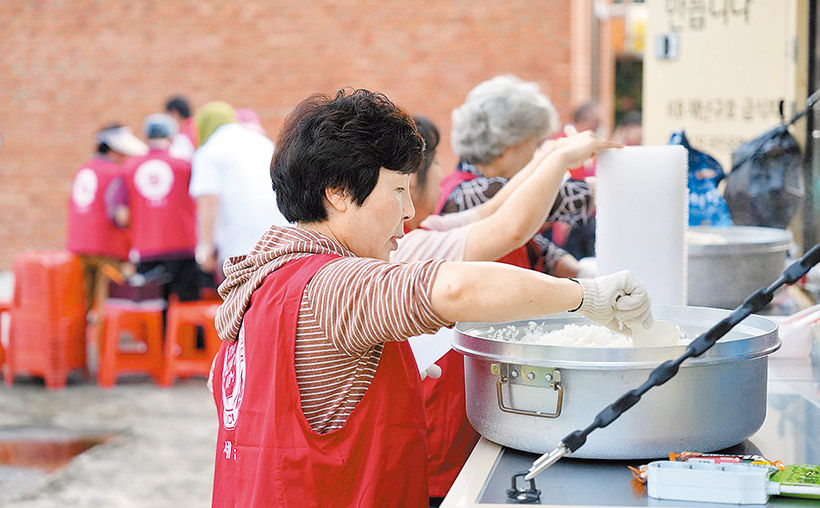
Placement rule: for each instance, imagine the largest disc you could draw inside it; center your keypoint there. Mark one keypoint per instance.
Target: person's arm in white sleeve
(204, 188)
(207, 209)
(452, 220)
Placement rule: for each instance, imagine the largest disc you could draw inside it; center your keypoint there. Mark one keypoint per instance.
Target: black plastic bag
(766, 183)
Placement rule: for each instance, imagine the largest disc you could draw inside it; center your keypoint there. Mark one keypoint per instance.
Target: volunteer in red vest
(483, 233)
(494, 134)
(96, 191)
(318, 395)
(161, 214)
(186, 139)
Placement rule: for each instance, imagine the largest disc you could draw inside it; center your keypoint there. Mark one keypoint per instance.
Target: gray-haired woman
(495, 133)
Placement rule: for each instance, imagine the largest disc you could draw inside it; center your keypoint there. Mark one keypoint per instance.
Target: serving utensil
(662, 333)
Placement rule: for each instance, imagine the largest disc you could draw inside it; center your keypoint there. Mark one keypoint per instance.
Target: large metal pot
(530, 396)
(732, 263)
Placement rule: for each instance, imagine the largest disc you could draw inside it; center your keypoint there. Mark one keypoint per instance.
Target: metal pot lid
(736, 240)
(754, 337)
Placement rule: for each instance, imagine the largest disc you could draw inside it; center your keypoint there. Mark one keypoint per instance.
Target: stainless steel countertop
(790, 433)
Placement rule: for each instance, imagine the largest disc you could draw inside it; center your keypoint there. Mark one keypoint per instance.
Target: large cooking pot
(726, 264)
(530, 396)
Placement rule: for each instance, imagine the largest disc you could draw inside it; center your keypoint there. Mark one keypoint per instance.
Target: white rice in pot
(570, 335)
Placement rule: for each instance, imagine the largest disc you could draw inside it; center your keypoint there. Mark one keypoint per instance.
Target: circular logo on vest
(154, 179)
(233, 381)
(84, 188)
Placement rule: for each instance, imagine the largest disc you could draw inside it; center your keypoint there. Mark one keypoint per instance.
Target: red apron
(450, 437)
(267, 454)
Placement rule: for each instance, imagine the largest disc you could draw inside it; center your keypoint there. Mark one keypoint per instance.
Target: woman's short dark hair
(179, 104)
(430, 135)
(340, 142)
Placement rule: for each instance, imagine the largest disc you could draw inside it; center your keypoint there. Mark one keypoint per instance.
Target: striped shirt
(348, 310)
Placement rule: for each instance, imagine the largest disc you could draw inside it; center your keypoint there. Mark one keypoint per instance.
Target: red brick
(70, 67)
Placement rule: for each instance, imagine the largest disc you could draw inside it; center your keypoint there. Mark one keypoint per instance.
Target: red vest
(267, 454)
(90, 231)
(450, 437)
(189, 130)
(163, 214)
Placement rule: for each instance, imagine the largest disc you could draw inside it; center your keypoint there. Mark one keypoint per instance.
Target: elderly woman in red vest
(318, 396)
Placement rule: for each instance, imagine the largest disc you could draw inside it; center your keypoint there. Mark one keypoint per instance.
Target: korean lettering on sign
(693, 14)
(718, 109)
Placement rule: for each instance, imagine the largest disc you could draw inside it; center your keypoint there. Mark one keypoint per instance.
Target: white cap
(122, 140)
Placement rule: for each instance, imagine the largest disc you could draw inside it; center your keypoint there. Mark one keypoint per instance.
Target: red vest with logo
(267, 453)
(89, 230)
(163, 214)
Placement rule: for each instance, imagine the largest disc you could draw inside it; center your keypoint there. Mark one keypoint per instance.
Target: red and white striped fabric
(350, 307)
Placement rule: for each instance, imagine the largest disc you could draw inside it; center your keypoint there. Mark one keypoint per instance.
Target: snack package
(716, 458)
(727, 478)
(711, 458)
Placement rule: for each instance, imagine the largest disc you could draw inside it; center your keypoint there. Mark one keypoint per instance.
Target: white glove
(616, 301)
(433, 371)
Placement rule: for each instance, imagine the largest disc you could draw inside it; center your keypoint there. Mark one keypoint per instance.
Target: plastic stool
(182, 357)
(5, 308)
(48, 314)
(145, 326)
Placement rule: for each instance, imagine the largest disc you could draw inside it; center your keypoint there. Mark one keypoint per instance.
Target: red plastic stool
(145, 353)
(47, 334)
(5, 308)
(182, 357)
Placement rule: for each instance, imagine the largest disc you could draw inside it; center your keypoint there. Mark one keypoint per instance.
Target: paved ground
(161, 454)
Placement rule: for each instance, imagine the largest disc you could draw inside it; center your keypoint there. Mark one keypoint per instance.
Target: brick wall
(69, 67)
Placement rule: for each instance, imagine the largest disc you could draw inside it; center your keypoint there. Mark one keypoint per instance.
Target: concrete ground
(160, 452)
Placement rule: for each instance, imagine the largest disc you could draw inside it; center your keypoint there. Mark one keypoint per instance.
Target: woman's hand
(577, 148)
(617, 301)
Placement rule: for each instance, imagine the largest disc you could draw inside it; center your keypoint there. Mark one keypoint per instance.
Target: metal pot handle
(534, 376)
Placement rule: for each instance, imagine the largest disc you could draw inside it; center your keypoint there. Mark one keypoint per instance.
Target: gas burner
(523, 496)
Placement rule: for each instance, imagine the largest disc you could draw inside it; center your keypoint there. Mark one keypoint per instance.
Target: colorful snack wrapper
(716, 458)
(640, 472)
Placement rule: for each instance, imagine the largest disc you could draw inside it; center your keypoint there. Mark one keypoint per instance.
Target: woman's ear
(337, 197)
